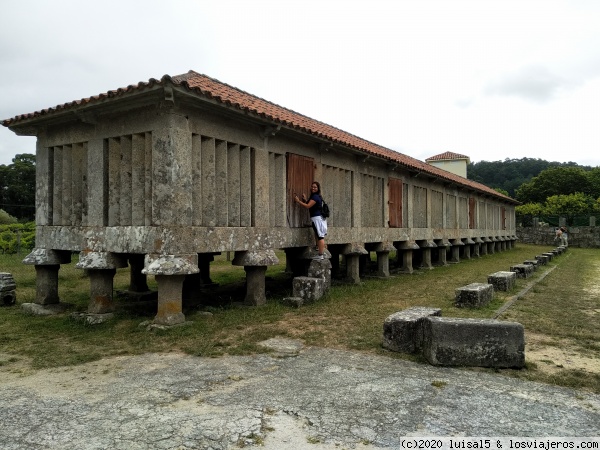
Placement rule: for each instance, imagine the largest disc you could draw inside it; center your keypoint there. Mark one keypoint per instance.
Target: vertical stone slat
(114, 181)
(57, 188)
(348, 200)
(182, 172)
(84, 183)
(196, 180)
(148, 179)
(277, 198)
(97, 181)
(260, 188)
(138, 171)
(44, 184)
(233, 185)
(77, 185)
(245, 187)
(221, 183)
(67, 188)
(125, 169)
(208, 182)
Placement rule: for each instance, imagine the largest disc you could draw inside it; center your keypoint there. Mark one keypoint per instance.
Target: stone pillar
(101, 267)
(352, 253)
(592, 221)
(491, 245)
(138, 282)
(407, 248)
(469, 244)
(46, 284)
(255, 285)
(442, 246)
(196, 282)
(47, 264)
(484, 245)
(455, 256)
(383, 250)
(477, 247)
(364, 262)
(426, 247)
(170, 304)
(204, 260)
(101, 291)
(255, 264)
(294, 264)
(170, 272)
(335, 261)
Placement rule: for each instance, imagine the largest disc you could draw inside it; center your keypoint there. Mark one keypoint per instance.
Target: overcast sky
(484, 78)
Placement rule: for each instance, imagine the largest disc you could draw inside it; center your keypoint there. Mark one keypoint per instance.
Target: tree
(17, 187)
(6, 218)
(554, 181)
(511, 173)
(525, 213)
(569, 206)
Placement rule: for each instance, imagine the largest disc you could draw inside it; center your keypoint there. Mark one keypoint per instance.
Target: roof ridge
(238, 98)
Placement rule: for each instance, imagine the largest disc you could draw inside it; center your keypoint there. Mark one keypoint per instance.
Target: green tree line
(17, 187)
(547, 190)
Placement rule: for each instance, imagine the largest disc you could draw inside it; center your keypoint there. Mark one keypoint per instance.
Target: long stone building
(162, 175)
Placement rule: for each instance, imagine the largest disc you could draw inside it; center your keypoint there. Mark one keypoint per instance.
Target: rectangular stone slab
(402, 330)
(473, 342)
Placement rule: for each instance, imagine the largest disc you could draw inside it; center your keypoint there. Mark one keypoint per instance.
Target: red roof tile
(446, 156)
(204, 86)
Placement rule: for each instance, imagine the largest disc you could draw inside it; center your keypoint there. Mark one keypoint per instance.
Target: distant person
(558, 235)
(319, 223)
(564, 236)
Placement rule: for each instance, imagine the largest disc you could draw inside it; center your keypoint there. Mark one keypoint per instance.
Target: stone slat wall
(584, 237)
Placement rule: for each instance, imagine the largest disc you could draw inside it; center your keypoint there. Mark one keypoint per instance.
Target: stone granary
(162, 175)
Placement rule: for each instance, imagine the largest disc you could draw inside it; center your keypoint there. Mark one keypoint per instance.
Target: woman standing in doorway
(319, 224)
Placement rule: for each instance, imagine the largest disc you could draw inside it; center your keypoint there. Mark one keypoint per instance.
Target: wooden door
(472, 206)
(300, 175)
(395, 202)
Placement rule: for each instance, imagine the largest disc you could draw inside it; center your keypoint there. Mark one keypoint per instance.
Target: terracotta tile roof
(231, 97)
(447, 156)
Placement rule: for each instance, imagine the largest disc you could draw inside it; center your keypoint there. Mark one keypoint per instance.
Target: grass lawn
(561, 312)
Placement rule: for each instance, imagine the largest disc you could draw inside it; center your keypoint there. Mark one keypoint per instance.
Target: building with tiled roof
(451, 162)
(162, 175)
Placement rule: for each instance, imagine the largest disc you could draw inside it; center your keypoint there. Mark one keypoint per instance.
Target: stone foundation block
(474, 295)
(308, 288)
(532, 262)
(522, 270)
(503, 281)
(542, 259)
(321, 268)
(8, 293)
(473, 342)
(35, 309)
(402, 331)
(550, 255)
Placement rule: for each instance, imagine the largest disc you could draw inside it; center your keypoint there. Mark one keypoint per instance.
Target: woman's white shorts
(320, 225)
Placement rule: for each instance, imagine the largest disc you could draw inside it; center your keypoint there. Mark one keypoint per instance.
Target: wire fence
(583, 220)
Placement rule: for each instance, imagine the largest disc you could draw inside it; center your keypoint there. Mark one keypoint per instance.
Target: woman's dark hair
(318, 186)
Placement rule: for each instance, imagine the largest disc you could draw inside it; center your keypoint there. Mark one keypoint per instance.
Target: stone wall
(585, 237)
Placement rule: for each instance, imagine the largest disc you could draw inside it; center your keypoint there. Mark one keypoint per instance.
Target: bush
(6, 218)
(17, 237)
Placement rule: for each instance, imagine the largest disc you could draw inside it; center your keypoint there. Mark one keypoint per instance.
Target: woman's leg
(321, 246)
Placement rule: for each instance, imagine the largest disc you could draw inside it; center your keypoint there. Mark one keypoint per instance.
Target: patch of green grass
(349, 317)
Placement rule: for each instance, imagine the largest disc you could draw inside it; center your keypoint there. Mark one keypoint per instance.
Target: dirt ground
(552, 359)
